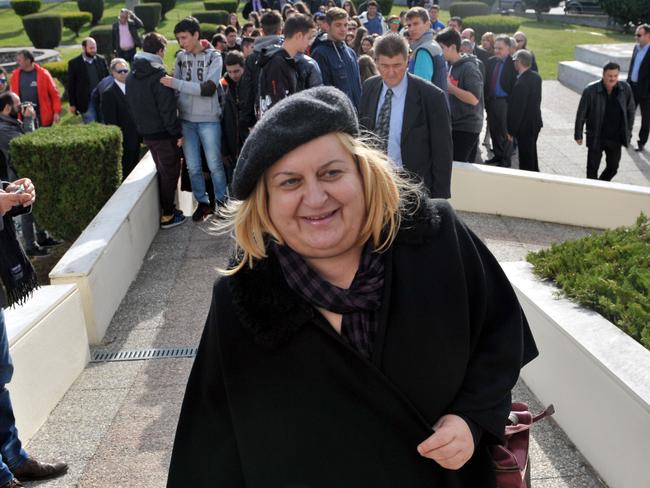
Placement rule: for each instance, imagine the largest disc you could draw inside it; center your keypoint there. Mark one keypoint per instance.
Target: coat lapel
(374, 101)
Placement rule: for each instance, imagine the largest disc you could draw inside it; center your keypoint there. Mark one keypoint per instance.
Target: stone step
(601, 54)
(576, 74)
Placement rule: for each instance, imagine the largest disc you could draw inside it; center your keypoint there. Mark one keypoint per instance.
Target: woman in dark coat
(363, 336)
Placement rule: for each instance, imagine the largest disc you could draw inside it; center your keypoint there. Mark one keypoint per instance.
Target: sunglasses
(122, 71)
(3, 80)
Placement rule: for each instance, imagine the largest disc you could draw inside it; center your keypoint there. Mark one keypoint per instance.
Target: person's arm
(54, 96)
(247, 98)
(205, 86)
(205, 451)
(517, 107)
(72, 86)
(108, 108)
(136, 20)
(168, 110)
(440, 141)
(279, 85)
(631, 108)
(315, 77)
(581, 116)
(472, 85)
(423, 65)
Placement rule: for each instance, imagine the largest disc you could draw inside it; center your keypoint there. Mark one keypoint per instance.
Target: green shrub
(227, 5)
(166, 5)
(59, 70)
(385, 6)
(468, 9)
(208, 30)
(44, 30)
(76, 20)
(95, 7)
(608, 273)
(103, 35)
(25, 7)
(212, 17)
(76, 169)
(627, 13)
(499, 24)
(150, 15)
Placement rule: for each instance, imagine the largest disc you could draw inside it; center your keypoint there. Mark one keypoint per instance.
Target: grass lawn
(551, 42)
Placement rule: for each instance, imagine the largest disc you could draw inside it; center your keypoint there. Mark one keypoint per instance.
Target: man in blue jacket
(337, 61)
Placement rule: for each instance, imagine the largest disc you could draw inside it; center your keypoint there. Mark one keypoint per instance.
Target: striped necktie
(383, 122)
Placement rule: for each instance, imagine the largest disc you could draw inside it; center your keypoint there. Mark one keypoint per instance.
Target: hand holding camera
(27, 109)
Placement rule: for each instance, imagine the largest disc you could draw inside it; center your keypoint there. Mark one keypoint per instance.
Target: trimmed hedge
(166, 5)
(44, 30)
(468, 9)
(95, 7)
(59, 70)
(25, 7)
(150, 15)
(608, 273)
(76, 20)
(103, 35)
(212, 17)
(227, 5)
(76, 169)
(208, 30)
(499, 24)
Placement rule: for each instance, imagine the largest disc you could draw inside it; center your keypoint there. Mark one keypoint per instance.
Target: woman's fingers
(451, 445)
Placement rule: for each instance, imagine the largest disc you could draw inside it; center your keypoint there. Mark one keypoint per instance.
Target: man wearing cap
(524, 110)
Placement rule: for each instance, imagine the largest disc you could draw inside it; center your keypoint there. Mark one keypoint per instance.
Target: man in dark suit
(409, 116)
(84, 72)
(115, 111)
(524, 110)
(500, 77)
(639, 79)
(125, 34)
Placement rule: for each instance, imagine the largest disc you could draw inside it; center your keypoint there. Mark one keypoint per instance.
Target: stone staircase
(589, 62)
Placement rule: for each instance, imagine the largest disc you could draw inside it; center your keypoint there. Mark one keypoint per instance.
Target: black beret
(290, 123)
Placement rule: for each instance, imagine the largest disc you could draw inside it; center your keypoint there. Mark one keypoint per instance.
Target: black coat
(277, 399)
(524, 105)
(115, 111)
(508, 75)
(481, 53)
(591, 111)
(231, 141)
(248, 7)
(79, 88)
(643, 83)
(426, 131)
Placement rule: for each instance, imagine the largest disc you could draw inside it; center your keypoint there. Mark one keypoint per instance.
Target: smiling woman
(363, 336)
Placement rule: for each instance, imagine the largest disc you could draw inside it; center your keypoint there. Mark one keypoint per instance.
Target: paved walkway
(116, 424)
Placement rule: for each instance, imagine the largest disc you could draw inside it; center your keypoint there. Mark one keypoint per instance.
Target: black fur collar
(270, 312)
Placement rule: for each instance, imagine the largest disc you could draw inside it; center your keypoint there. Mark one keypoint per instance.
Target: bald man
(84, 72)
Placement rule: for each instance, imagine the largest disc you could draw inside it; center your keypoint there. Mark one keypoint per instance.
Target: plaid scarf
(358, 304)
(16, 272)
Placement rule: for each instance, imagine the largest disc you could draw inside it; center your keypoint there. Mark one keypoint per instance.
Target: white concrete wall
(107, 256)
(49, 347)
(597, 377)
(545, 197)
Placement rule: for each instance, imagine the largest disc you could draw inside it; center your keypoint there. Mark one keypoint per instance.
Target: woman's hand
(451, 445)
(28, 195)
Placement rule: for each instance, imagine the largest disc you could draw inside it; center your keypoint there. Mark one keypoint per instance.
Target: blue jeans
(12, 453)
(208, 135)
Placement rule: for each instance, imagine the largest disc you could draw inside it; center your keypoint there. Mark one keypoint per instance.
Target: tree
(627, 13)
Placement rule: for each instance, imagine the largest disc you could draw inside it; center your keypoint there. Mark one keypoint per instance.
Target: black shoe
(202, 212)
(640, 148)
(49, 242)
(32, 469)
(505, 164)
(493, 161)
(37, 252)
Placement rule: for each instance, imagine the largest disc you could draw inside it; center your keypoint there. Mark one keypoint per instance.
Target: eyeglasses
(3, 80)
(122, 71)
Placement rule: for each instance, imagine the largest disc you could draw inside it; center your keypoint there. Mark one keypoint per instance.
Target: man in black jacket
(115, 111)
(607, 107)
(499, 79)
(153, 106)
(231, 141)
(414, 128)
(639, 79)
(524, 110)
(125, 35)
(84, 72)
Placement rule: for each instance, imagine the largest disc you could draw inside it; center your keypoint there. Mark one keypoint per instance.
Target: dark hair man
(426, 59)
(279, 74)
(155, 113)
(115, 111)
(35, 84)
(18, 280)
(231, 39)
(248, 89)
(434, 12)
(499, 79)
(337, 61)
(639, 79)
(409, 116)
(247, 44)
(125, 34)
(372, 19)
(231, 141)
(524, 110)
(607, 107)
(84, 73)
(197, 74)
(465, 96)
(219, 42)
(455, 23)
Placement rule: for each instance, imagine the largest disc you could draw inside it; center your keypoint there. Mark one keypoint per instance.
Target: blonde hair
(385, 195)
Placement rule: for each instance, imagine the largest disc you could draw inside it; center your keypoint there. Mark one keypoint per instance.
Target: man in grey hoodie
(197, 74)
(465, 96)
